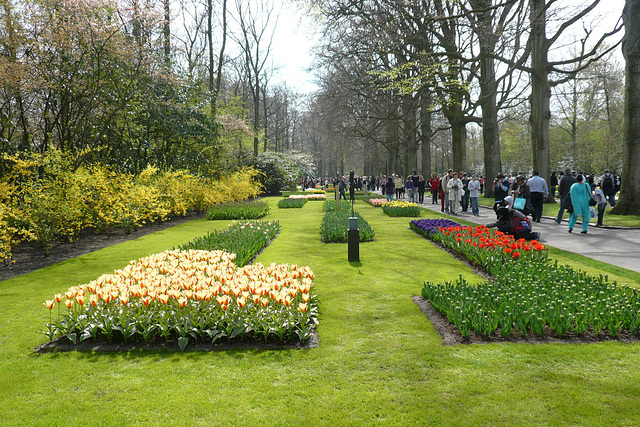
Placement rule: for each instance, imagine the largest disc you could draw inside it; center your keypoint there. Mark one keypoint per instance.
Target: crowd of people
(516, 198)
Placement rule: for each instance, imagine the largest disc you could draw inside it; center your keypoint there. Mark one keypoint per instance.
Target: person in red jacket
(434, 185)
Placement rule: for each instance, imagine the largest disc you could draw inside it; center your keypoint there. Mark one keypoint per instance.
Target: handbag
(592, 202)
(519, 203)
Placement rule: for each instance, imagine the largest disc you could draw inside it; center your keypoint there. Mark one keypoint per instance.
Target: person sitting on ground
(514, 222)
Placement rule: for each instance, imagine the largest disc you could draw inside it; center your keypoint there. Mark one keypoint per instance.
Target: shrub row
(47, 199)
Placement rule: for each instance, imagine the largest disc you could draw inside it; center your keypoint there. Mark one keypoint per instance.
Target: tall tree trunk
(166, 33)
(630, 191)
(214, 101)
(425, 133)
(540, 90)
(212, 98)
(490, 127)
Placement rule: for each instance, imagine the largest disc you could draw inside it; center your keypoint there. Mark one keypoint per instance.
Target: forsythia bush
(46, 199)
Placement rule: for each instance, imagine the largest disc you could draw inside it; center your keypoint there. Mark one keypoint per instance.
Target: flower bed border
(63, 344)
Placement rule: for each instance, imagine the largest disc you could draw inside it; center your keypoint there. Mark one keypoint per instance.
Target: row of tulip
(397, 208)
(527, 294)
(311, 196)
(534, 298)
(335, 223)
(188, 296)
(376, 202)
(485, 248)
(245, 239)
(291, 203)
(239, 210)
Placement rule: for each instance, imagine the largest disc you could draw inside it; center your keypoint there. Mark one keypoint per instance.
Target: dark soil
(451, 335)
(62, 344)
(28, 256)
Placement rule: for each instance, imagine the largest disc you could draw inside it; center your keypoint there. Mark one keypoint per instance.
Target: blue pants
(475, 209)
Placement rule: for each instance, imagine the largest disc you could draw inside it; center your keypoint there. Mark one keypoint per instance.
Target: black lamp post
(353, 237)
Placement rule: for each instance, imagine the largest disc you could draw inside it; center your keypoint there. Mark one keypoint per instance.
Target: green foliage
(527, 294)
(49, 199)
(330, 206)
(244, 239)
(238, 210)
(280, 172)
(291, 203)
(335, 225)
(527, 298)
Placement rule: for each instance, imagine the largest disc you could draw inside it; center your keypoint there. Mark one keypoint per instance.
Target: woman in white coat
(455, 193)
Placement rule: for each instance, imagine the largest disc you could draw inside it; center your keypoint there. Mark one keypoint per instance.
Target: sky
(296, 35)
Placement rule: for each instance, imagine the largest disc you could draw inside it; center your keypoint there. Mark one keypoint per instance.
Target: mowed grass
(551, 210)
(380, 361)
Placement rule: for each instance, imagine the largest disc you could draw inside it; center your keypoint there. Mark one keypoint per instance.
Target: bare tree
(257, 27)
(542, 67)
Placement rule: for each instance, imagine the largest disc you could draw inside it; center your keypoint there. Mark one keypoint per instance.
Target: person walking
(538, 192)
(408, 185)
(399, 183)
(601, 201)
(500, 189)
(580, 195)
(563, 189)
(553, 184)
(421, 187)
(434, 187)
(473, 188)
(444, 181)
(455, 193)
(465, 191)
(389, 189)
(608, 186)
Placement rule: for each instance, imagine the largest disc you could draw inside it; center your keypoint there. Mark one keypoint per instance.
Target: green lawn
(380, 361)
(551, 209)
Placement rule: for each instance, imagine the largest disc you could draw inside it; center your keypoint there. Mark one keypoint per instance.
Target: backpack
(607, 184)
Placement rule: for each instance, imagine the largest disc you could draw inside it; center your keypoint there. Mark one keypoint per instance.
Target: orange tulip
(302, 307)
(49, 303)
(69, 303)
(58, 297)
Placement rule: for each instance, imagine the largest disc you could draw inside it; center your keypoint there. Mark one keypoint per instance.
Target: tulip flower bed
(244, 239)
(335, 223)
(242, 210)
(527, 293)
(485, 248)
(330, 206)
(312, 196)
(426, 227)
(397, 208)
(188, 296)
(376, 202)
(538, 298)
(291, 203)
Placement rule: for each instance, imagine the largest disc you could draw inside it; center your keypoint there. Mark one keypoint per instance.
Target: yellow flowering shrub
(47, 199)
